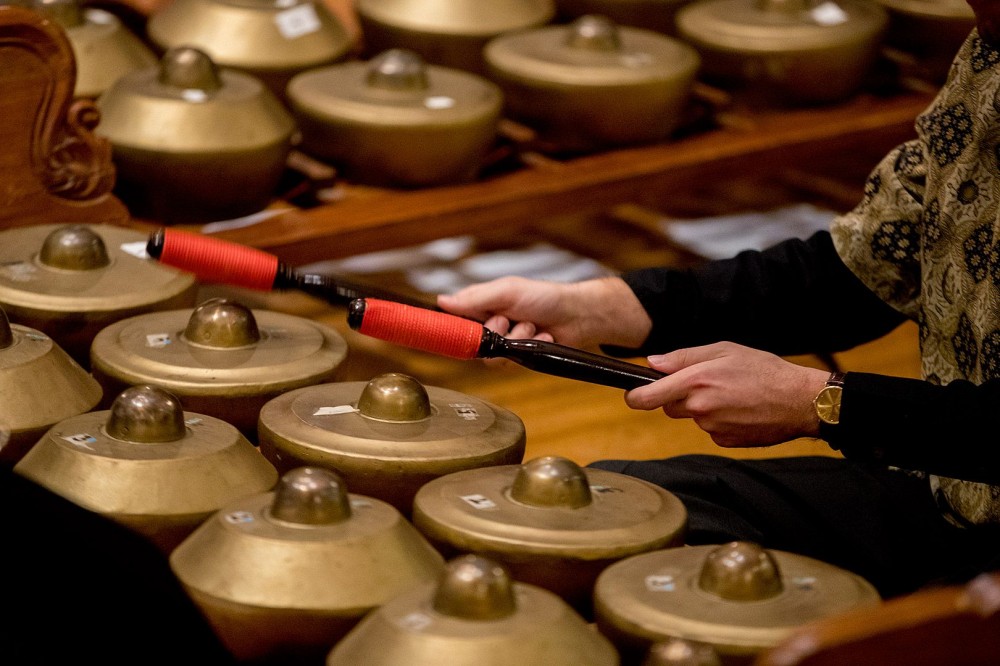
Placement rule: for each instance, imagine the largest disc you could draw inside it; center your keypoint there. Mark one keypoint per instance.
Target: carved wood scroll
(53, 168)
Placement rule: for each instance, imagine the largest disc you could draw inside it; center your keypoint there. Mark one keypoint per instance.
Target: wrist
(614, 314)
(827, 404)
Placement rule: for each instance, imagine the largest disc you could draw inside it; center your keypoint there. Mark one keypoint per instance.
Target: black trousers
(79, 588)
(879, 523)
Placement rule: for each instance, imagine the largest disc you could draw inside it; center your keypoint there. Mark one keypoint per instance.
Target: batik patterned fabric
(926, 239)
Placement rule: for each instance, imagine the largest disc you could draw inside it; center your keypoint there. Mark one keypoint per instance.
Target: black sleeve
(799, 297)
(796, 297)
(913, 424)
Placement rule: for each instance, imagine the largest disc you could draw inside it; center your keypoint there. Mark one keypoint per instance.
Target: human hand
(740, 396)
(578, 314)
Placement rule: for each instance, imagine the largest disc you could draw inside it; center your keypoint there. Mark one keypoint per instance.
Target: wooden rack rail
(814, 141)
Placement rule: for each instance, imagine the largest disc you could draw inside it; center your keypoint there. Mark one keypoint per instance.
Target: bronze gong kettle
(221, 358)
(738, 598)
(389, 436)
(40, 385)
(475, 613)
(283, 575)
(550, 522)
(71, 280)
(148, 464)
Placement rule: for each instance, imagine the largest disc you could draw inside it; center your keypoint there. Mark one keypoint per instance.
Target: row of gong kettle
(375, 522)
(203, 130)
(304, 571)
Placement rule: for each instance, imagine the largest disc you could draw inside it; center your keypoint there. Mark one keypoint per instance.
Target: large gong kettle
(396, 121)
(71, 280)
(273, 41)
(389, 436)
(40, 385)
(593, 84)
(738, 598)
(930, 31)
(776, 52)
(283, 575)
(104, 49)
(550, 522)
(222, 358)
(474, 614)
(148, 464)
(450, 33)
(194, 142)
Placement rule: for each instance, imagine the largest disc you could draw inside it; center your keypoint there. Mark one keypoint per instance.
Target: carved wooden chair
(53, 169)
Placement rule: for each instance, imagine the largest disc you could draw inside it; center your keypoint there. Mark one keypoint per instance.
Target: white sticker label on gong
(804, 583)
(439, 102)
(478, 501)
(238, 517)
(465, 410)
(331, 411)
(136, 249)
(661, 583)
(297, 21)
(829, 13)
(19, 272)
(415, 621)
(81, 439)
(158, 340)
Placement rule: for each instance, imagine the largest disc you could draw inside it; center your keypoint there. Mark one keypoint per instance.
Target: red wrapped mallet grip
(418, 328)
(219, 261)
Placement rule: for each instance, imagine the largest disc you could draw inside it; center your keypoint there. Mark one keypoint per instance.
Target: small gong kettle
(283, 575)
(40, 385)
(738, 598)
(148, 464)
(475, 613)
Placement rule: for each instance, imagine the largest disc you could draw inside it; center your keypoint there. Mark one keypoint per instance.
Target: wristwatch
(827, 401)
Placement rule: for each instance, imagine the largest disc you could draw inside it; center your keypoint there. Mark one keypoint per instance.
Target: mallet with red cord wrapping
(449, 335)
(224, 262)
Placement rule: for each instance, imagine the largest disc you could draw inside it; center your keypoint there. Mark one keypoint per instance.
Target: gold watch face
(828, 404)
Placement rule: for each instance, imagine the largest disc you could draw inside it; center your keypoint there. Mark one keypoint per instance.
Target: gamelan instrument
(389, 436)
(148, 464)
(69, 281)
(738, 598)
(550, 522)
(40, 385)
(475, 613)
(221, 358)
(283, 575)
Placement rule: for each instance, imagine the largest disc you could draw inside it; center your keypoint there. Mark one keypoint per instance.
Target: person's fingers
(666, 393)
(460, 306)
(478, 301)
(499, 324)
(524, 329)
(675, 361)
